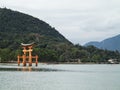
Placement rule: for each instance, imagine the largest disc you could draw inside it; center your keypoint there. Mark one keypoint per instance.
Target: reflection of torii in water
(27, 48)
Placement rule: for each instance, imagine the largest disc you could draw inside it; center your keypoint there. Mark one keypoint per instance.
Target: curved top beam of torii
(25, 45)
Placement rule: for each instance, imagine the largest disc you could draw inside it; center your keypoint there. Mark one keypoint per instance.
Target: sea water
(60, 77)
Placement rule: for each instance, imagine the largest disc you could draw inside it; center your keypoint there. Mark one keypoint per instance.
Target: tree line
(61, 53)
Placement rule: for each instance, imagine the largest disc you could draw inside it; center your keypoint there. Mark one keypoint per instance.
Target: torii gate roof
(25, 45)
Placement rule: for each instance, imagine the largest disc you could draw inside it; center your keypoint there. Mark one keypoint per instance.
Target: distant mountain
(112, 43)
(16, 28)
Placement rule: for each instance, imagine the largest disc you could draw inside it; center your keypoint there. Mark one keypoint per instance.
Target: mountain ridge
(112, 43)
(23, 28)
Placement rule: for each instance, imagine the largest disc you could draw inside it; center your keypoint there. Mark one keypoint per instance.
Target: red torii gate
(27, 58)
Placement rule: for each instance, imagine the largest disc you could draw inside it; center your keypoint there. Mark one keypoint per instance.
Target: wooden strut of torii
(27, 55)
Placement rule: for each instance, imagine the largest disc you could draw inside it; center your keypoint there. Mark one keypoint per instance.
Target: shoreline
(62, 63)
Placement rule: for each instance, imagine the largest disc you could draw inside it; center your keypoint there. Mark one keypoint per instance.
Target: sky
(80, 21)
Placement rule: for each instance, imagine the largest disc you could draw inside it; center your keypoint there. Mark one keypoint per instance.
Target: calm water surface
(60, 77)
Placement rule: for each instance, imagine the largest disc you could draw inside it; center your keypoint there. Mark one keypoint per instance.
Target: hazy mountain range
(112, 43)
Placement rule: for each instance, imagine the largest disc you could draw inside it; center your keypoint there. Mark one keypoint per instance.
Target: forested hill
(50, 45)
(16, 28)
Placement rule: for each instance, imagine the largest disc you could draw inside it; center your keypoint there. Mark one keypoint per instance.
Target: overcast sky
(80, 21)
